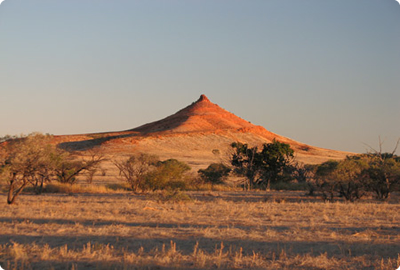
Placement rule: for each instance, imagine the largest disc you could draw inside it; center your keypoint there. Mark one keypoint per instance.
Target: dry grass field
(215, 230)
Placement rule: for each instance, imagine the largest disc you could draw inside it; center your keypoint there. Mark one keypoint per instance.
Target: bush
(168, 174)
(382, 174)
(341, 178)
(216, 173)
(135, 169)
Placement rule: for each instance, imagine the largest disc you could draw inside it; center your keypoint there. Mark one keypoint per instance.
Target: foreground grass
(226, 230)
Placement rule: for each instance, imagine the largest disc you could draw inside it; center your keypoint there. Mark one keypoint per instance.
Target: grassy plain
(215, 230)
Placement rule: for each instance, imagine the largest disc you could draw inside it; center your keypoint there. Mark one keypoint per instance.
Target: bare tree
(25, 161)
(383, 173)
(67, 167)
(304, 173)
(33, 160)
(134, 168)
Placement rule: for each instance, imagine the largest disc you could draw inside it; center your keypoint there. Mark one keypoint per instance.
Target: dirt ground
(214, 230)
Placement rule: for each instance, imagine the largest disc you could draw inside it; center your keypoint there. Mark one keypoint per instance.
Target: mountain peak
(203, 98)
(200, 116)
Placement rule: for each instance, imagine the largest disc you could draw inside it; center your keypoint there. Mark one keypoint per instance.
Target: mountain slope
(200, 116)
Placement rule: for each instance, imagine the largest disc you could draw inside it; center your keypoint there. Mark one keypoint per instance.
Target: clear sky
(326, 73)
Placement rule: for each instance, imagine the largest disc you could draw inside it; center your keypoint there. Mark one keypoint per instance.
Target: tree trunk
(268, 185)
(10, 198)
(11, 194)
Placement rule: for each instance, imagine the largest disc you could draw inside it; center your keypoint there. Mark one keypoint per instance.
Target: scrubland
(214, 230)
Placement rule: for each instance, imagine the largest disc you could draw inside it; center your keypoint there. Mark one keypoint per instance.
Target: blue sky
(326, 73)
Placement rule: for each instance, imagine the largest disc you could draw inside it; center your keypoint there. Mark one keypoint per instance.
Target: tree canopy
(261, 167)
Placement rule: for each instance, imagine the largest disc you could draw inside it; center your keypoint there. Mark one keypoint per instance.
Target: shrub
(134, 170)
(341, 178)
(382, 175)
(215, 173)
(168, 174)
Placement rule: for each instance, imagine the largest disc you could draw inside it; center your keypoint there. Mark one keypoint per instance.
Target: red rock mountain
(201, 116)
(193, 135)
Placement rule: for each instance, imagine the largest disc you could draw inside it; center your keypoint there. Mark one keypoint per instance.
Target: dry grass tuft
(175, 196)
(100, 256)
(77, 189)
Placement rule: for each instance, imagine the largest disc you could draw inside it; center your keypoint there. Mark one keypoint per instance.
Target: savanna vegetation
(213, 230)
(374, 173)
(32, 161)
(162, 215)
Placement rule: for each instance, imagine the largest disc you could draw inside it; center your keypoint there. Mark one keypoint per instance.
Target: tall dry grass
(225, 230)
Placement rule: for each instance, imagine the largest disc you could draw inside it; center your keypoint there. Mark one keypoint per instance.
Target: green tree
(262, 167)
(246, 163)
(349, 178)
(325, 179)
(275, 159)
(342, 177)
(215, 173)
